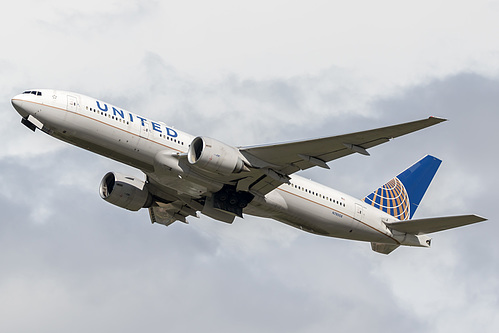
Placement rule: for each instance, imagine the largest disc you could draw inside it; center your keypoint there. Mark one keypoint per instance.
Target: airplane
(186, 174)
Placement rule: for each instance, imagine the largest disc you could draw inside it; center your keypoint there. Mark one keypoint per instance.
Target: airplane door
(72, 103)
(359, 212)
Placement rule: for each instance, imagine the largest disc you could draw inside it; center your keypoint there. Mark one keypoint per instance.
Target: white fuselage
(135, 140)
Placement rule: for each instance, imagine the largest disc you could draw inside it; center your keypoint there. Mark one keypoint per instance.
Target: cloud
(265, 73)
(96, 259)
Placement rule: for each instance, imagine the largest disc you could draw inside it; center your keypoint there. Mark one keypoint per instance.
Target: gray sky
(265, 71)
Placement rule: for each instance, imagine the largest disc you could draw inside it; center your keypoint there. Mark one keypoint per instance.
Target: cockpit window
(33, 92)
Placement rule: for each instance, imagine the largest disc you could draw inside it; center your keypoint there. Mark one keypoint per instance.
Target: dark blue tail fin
(400, 197)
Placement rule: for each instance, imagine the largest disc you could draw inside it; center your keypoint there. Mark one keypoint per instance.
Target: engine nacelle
(124, 191)
(214, 156)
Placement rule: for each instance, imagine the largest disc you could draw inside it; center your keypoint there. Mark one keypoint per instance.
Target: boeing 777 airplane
(186, 174)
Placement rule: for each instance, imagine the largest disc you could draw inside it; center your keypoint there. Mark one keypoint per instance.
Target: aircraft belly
(128, 159)
(180, 186)
(108, 141)
(317, 218)
(49, 115)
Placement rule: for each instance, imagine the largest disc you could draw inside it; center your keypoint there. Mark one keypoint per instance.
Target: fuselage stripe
(102, 122)
(317, 203)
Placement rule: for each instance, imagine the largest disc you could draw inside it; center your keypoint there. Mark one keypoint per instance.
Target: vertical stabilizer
(400, 197)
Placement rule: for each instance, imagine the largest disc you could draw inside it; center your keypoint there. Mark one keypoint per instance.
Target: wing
(266, 168)
(427, 226)
(279, 160)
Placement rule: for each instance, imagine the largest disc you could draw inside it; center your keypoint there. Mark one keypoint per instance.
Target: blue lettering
(98, 105)
(131, 117)
(120, 112)
(156, 127)
(337, 214)
(142, 120)
(171, 132)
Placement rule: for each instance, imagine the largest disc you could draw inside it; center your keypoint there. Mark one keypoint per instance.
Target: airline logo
(120, 113)
(392, 198)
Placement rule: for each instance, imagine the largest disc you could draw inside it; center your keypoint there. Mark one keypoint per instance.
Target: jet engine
(214, 156)
(124, 191)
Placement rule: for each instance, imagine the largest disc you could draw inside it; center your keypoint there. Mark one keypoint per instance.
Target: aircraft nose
(18, 104)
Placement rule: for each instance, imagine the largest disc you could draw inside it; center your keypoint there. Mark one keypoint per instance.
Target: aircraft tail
(400, 197)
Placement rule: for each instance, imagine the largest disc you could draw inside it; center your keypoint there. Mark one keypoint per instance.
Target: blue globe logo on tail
(392, 198)
(400, 197)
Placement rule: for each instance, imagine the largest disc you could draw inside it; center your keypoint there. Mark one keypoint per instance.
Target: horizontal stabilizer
(429, 225)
